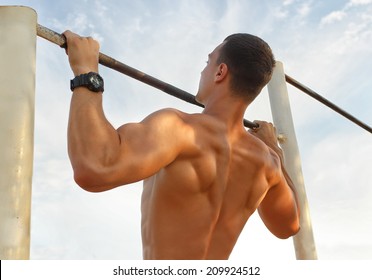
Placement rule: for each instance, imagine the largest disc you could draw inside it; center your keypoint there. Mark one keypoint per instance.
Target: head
(250, 62)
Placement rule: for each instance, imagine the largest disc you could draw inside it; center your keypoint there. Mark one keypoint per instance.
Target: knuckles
(75, 40)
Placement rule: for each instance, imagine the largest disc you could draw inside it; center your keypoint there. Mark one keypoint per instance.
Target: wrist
(272, 144)
(84, 70)
(92, 81)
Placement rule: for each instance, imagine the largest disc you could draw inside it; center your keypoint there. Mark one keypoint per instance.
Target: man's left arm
(101, 156)
(279, 209)
(91, 138)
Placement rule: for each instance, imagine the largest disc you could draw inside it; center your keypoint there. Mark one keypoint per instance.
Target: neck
(227, 109)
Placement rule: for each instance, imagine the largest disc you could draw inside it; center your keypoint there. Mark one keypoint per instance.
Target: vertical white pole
(303, 241)
(17, 90)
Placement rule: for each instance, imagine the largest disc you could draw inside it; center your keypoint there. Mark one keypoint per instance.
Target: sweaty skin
(204, 174)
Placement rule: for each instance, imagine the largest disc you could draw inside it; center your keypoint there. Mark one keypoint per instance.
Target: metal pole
(112, 63)
(303, 241)
(17, 91)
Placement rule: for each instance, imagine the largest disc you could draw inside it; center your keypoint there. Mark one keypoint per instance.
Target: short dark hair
(250, 62)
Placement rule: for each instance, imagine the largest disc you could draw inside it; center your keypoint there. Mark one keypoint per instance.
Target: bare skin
(204, 174)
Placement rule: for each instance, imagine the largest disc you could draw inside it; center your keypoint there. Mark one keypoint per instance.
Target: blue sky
(324, 44)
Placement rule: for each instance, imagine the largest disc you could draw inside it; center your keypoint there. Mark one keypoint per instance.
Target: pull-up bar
(326, 102)
(112, 63)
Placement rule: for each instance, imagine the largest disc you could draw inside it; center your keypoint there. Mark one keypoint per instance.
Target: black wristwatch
(92, 81)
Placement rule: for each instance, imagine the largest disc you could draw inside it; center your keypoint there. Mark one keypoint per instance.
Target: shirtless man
(204, 174)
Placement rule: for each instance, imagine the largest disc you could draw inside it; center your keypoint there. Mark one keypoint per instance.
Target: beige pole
(17, 90)
(303, 241)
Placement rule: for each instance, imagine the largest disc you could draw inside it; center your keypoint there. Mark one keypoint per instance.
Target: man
(204, 174)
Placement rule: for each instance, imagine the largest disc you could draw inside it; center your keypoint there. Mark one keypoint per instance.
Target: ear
(221, 73)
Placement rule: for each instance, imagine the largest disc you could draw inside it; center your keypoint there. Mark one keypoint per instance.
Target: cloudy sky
(324, 44)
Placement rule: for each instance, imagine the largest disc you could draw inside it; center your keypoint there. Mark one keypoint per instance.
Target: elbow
(291, 229)
(88, 180)
(289, 232)
(84, 180)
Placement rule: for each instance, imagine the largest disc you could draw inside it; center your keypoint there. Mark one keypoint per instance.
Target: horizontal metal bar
(112, 63)
(326, 102)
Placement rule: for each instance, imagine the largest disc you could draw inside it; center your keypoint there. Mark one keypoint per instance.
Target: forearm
(290, 183)
(92, 141)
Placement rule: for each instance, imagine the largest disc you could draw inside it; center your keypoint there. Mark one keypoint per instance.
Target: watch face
(96, 82)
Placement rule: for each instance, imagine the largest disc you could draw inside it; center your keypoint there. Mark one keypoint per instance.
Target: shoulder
(168, 116)
(263, 152)
(164, 118)
(268, 159)
(164, 126)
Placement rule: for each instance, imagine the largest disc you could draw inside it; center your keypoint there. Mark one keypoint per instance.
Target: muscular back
(196, 207)
(205, 175)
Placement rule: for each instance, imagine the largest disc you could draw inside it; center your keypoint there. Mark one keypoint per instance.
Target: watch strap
(79, 81)
(84, 80)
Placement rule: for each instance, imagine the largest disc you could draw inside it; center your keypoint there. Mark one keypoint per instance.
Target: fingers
(73, 38)
(267, 132)
(263, 125)
(83, 53)
(64, 45)
(256, 126)
(68, 36)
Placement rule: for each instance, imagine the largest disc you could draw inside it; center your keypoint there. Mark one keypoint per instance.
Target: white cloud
(288, 2)
(358, 2)
(334, 16)
(305, 9)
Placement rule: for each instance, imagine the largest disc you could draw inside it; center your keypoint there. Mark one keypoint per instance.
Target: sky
(325, 45)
